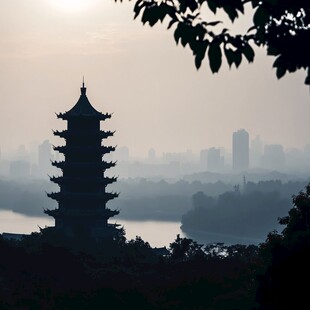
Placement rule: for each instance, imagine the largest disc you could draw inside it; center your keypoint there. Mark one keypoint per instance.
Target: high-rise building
(83, 196)
(215, 162)
(240, 150)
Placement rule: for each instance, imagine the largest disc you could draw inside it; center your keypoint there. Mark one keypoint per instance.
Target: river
(157, 233)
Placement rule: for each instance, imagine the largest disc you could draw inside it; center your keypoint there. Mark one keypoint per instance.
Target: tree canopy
(282, 26)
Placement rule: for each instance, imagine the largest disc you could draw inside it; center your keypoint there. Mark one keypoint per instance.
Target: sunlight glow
(72, 5)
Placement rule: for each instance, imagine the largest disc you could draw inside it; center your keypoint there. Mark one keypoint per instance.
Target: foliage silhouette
(282, 26)
(285, 272)
(38, 273)
(48, 271)
(250, 214)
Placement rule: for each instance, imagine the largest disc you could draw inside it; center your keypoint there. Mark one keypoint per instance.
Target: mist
(164, 103)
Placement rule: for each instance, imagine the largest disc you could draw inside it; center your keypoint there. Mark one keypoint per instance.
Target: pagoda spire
(83, 88)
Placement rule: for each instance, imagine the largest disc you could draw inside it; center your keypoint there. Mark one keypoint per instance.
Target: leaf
(248, 52)
(280, 72)
(255, 3)
(171, 23)
(177, 33)
(229, 53)
(237, 58)
(200, 52)
(212, 5)
(137, 8)
(307, 80)
(272, 50)
(261, 17)
(192, 5)
(278, 62)
(214, 23)
(251, 28)
(215, 56)
(232, 13)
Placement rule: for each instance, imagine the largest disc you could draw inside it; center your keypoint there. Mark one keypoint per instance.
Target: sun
(72, 5)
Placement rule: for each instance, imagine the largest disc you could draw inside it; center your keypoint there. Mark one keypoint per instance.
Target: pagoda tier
(67, 134)
(82, 165)
(83, 197)
(77, 149)
(78, 197)
(66, 116)
(104, 213)
(80, 181)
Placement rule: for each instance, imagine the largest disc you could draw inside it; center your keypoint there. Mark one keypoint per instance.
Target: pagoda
(83, 194)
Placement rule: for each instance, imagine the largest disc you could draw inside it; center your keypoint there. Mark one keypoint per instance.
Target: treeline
(251, 214)
(48, 270)
(249, 211)
(139, 199)
(26, 197)
(39, 275)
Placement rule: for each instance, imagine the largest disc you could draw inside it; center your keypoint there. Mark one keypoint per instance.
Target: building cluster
(245, 154)
(33, 162)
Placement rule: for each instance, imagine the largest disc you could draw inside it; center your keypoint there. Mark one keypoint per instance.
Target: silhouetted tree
(283, 281)
(183, 249)
(282, 26)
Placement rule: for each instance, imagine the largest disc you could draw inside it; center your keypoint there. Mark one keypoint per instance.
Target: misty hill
(27, 197)
(255, 175)
(139, 199)
(251, 214)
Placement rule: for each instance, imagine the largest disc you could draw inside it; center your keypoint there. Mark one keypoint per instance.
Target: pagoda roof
(83, 108)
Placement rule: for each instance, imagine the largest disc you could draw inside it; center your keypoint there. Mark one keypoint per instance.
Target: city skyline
(158, 98)
(260, 155)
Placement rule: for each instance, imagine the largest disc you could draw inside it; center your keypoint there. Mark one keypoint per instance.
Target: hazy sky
(158, 98)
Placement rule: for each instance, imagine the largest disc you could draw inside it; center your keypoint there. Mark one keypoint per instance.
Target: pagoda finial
(83, 88)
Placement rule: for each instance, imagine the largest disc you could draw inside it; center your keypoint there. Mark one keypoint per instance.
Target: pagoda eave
(100, 116)
(67, 150)
(71, 180)
(67, 134)
(105, 213)
(102, 165)
(101, 196)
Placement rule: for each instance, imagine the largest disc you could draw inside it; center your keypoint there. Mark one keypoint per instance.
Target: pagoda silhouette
(83, 194)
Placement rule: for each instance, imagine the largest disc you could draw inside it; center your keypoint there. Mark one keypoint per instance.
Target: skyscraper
(215, 162)
(240, 149)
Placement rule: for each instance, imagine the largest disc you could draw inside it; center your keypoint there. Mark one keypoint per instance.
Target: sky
(158, 98)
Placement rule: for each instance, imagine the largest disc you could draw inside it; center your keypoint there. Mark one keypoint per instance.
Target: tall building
(240, 150)
(83, 195)
(215, 162)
